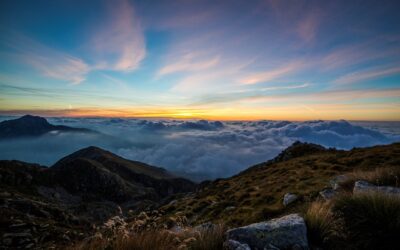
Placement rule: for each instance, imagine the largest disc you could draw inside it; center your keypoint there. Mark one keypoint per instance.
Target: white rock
(235, 245)
(289, 198)
(283, 233)
(327, 194)
(364, 186)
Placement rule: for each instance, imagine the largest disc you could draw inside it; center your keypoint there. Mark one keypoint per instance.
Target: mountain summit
(30, 126)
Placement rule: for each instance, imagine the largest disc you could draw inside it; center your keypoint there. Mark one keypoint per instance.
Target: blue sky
(230, 60)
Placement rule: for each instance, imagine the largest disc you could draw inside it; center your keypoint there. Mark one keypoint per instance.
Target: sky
(216, 60)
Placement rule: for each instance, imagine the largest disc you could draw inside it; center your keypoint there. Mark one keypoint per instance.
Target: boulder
(235, 245)
(327, 193)
(364, 186)
(289, 198)
(288, 232)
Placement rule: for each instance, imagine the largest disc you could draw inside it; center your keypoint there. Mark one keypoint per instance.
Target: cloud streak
(121, 39)
(272, 74)
(366, 75)
(188, 62)
(49, 62)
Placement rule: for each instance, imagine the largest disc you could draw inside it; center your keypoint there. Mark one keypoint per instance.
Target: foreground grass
(189, 238)
(385, 176)
(370, 221)
(320, 223)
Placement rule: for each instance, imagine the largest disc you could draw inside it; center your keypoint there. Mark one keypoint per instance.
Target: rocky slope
(299, 173)
(30, 126)
(44, 206)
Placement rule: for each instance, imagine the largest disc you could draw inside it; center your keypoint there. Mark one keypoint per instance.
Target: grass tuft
(320, 222)
(370, 221)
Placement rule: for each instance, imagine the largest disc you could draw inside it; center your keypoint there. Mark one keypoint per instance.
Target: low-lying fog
(196, 149)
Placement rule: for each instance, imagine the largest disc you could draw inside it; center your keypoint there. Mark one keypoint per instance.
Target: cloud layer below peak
(198, 149)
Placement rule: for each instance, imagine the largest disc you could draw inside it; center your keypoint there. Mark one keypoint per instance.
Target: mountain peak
(32, 120)
(298, 149)
(30, 125)
(115, 163)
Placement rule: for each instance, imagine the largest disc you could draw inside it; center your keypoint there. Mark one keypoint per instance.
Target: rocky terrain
(43, 206)
(305, 198)
(31, 126)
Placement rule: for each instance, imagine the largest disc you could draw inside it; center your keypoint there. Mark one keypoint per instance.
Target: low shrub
(370, 221)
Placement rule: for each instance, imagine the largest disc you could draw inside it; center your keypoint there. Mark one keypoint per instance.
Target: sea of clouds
(196, 149)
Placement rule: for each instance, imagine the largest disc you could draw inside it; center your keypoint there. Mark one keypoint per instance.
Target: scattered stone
(230, 208)
(364, 186)
(287, 232)
(235, 245)
(327, 194)
(289, 198)
(336, 181)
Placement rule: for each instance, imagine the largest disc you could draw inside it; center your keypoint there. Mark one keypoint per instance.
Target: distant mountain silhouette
(119, 178)
(30, 126)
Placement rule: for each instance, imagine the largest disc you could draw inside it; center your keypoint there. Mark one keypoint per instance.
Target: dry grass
(257, 193)
(320, 222)
(143, 241)
(189, 238)
(209, 239)
(385, 176)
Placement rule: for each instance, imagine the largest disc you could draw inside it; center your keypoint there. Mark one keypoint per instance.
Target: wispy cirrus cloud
(120, 44)
(368, 74)
(190, 61)
(48, 61)
(272, 74)
(307, 27)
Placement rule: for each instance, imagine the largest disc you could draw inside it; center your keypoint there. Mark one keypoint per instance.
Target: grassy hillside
(256, 194)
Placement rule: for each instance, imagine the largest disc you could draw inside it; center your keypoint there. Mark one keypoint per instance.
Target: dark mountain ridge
(31, 126)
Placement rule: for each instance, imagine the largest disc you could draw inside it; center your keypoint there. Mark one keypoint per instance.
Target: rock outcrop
(289, 198)
(288, 232)
(327, 194)
(364, 186)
